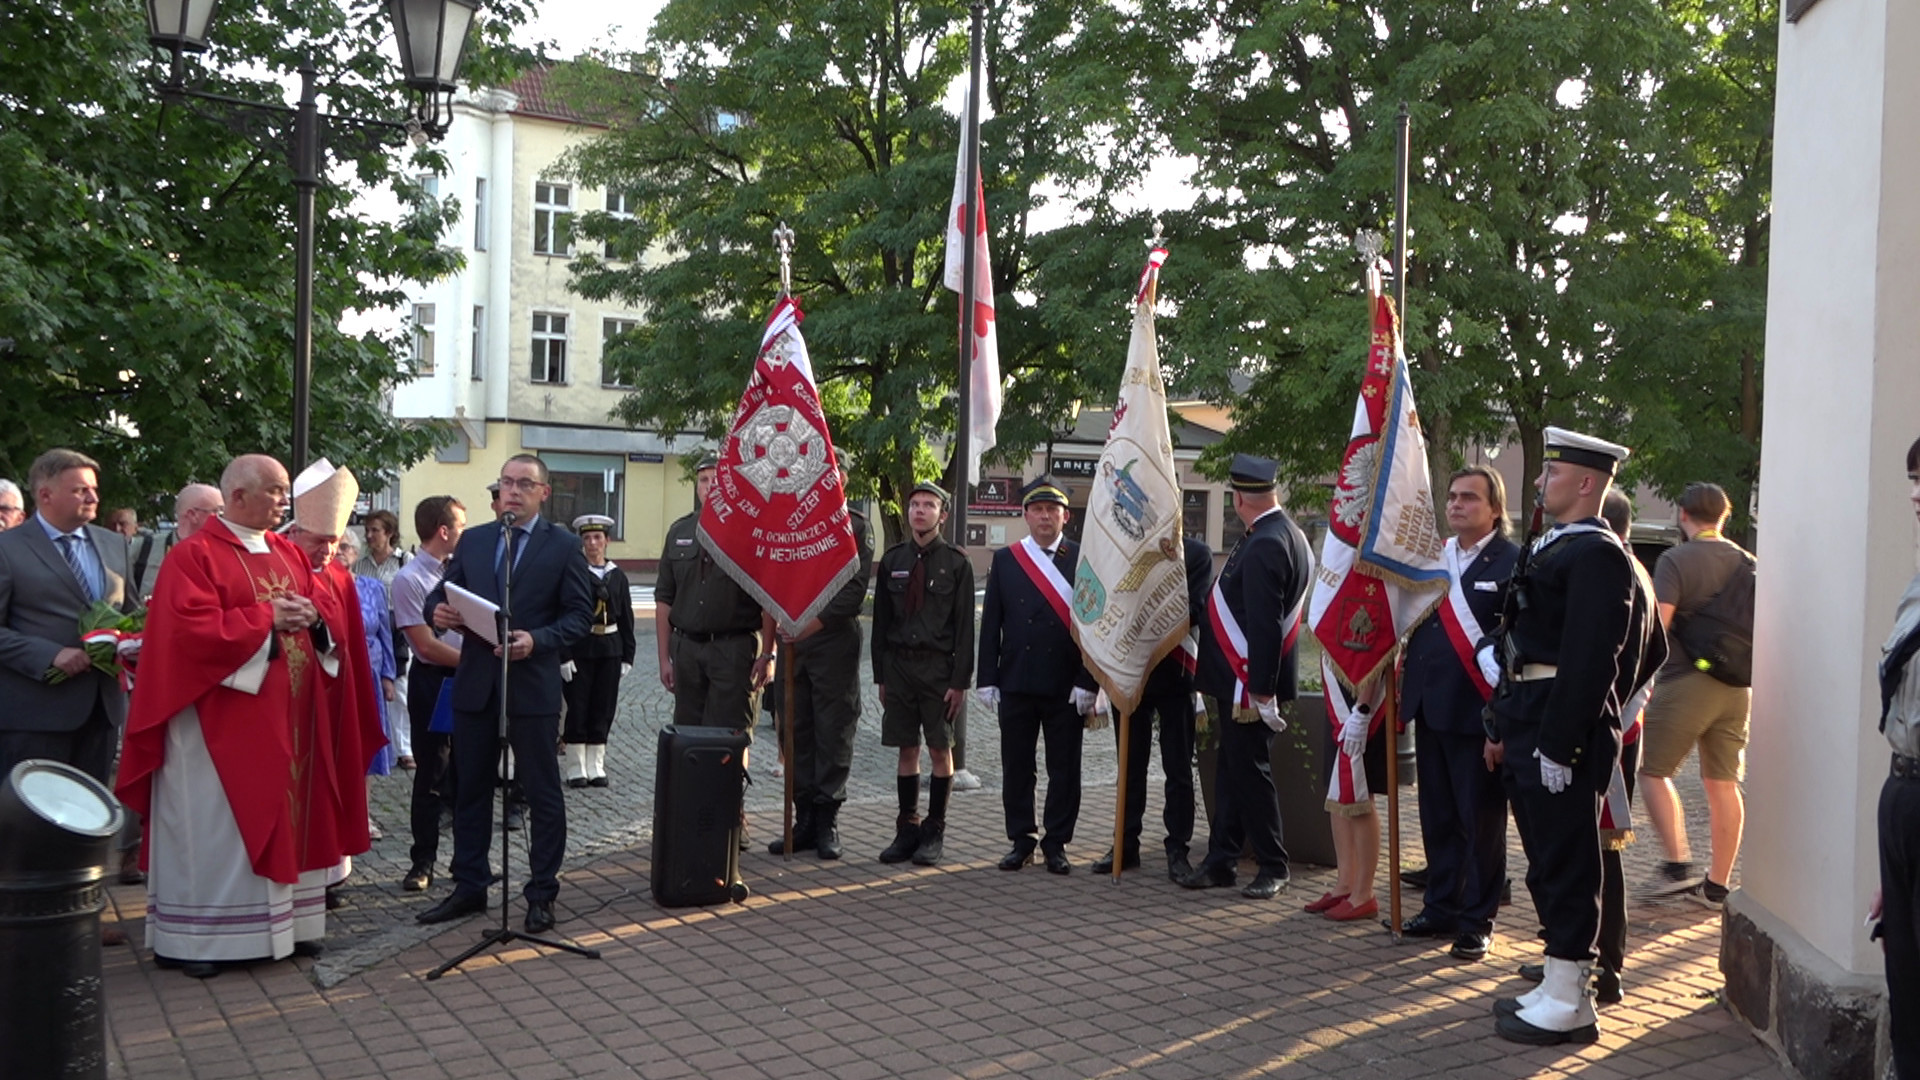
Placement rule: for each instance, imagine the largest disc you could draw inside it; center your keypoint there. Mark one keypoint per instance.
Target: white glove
(624, 668)
(1353, 731)
(989, 696)
(1269, 711)
(1083, 700)
(1553, 776)
(566, 671)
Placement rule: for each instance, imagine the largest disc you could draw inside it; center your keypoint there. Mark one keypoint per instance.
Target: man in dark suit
(53, 567)
(1030, 667)
(1445, 686)
(1255, 606)
(1168, 696)
(551, 608)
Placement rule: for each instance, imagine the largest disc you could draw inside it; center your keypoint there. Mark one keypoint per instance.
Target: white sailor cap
(587, 523)
(1585, 450)
(323, 498)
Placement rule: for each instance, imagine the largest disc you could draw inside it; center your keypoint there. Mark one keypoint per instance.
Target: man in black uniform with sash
(1247, 667)
(1030, 667)
(594, 666)
(1567, 645)
(826, 704)
(1168, 697)
(922, 663)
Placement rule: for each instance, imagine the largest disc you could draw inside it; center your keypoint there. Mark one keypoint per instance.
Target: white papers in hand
(480, 614)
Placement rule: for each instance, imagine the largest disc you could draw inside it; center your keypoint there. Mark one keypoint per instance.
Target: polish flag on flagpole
(985, 366)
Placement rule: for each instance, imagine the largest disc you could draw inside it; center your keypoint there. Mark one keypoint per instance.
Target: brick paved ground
(854, 969)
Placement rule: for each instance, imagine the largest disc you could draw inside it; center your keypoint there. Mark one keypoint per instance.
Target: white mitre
(323, 498)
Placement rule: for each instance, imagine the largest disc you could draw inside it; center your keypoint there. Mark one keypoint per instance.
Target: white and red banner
(1130, 590)
(1382, 565)
(984, 366)
(776, 518)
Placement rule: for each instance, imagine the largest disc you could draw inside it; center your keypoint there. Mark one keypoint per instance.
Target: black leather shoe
(457, 906)
(599, 781)
(1533, 973)
(826, 841)
(1208, 878)
(1104, 864)
(1021, 855)
(539, 916)
(1415, 879)
(1178, 867)
(199, 969)
(577, 782)
(309, 949)
(1606, 987)
(1264, 886)
(932, 843)
(803, 840)
(1469, 946)
(1056, 861)
(516, 817)
(1424, 924)
(418, 879)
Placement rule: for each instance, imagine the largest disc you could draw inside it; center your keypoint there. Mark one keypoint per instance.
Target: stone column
(1837, 535)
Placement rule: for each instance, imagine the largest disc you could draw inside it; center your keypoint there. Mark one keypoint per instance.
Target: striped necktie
(69, 551)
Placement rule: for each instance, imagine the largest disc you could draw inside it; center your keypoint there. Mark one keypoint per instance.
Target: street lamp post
(432, 37)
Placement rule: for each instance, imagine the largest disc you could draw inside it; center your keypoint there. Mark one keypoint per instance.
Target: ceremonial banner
(1381, 566)
(1130, 591)
(776, 518)
(984, 370)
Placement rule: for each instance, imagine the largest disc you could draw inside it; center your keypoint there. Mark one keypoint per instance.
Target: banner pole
(1403, 138)
(786, 743)
(1120, 799)
(970, 262)
(1393, 804)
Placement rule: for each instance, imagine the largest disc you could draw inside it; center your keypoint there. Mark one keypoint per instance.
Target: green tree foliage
(831, 117)
(146, 257)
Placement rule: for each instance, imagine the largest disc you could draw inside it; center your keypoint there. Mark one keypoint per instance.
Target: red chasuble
(346, 732)
(210, 614)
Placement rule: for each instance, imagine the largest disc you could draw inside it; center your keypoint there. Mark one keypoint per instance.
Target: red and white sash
(1348, 784)
(1233, 640)
(1047, 578)
(1463, 630)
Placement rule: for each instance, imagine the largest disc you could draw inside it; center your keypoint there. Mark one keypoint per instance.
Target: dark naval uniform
(1463, 809)
(826, 704)
(1030, 656)
(593, 694)
(1263, 582)
(1168, 699)
(716, 634)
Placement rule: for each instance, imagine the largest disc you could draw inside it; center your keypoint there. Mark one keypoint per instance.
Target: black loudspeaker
(699, 783)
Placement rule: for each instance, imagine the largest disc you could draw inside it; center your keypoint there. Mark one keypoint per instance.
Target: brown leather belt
(1905, 768)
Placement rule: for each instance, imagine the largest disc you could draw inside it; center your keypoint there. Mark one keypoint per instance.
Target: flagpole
(1401, 149)
(1120, 803)
(783, 242)
(1393, 803)
(970, 158)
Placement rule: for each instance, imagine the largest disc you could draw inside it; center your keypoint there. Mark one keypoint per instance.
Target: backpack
(1718, 637)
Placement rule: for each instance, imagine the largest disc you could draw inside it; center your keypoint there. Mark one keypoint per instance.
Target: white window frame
(479, 342)
(423, 341)
(546, 340)
(480, 214)
(552, 215)
(609, 326)
(620, 208)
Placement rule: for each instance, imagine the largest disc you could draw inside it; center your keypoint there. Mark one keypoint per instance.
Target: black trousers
(593, 696)
(433, 785)
(1023, 719)
(1561, 836)
(1173, 710)
(1246, 809)
(1613, 879)
(1900, 918)
(91, 747)
(826, 711)
(476, 754)
(1463, 823)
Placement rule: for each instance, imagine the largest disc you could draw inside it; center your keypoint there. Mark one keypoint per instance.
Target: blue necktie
(519, 536)
(72, 555)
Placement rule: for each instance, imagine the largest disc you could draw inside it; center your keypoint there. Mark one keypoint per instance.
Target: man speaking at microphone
(551, 608)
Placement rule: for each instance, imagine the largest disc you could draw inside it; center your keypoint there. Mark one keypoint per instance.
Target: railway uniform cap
(1250, 473)
(1584, 450)
(1043, 490)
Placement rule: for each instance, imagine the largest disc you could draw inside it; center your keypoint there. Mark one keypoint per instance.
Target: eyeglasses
(12, 510)
(524, 483)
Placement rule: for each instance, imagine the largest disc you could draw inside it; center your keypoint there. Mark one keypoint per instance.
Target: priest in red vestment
(347, 732)
(229, 671)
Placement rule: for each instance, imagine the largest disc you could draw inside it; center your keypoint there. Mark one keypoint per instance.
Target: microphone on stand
(508, 517)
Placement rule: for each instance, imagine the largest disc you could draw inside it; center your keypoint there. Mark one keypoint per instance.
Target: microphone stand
(504, 934)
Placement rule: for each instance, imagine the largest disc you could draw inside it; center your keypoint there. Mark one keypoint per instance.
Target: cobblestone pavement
(855, 969)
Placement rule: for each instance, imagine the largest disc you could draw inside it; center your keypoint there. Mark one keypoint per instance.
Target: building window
(1193, 515)
(479, 343)
(552, 219)
(423, 339)
(549, 347)
(455, 450)
(587, 484)
(610, 329)
(1231, 527)
(480, 215)
(620, 208)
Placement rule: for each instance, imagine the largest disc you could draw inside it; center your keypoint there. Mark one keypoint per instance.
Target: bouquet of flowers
(103, 629)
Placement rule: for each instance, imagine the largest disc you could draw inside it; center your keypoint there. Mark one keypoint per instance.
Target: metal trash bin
(57, 829)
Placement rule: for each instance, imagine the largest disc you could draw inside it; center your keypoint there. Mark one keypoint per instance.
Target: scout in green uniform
(826, 705)
(711, 633)
(923, 664)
